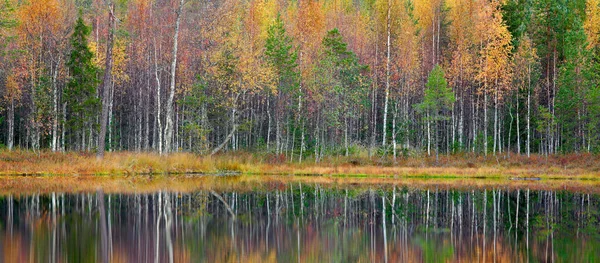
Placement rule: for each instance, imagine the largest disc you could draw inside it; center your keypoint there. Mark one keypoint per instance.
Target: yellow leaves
(592, 23)
(98, 61)
(260, 15)
(524, 60)
(495, 68)
(120, 59)
(256, 75)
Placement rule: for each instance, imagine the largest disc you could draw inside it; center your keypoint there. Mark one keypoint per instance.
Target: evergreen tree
(571, 92)
(282, 56)
(593, 101)
(342, 80)
(80, 92)
(438, 99)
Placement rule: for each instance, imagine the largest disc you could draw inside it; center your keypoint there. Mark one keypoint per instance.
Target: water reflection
(302, 223)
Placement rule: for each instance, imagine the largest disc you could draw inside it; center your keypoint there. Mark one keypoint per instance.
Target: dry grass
(23, 185)
(463, 166)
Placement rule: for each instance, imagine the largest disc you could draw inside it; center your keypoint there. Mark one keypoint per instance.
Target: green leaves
(282, 56)
(80, 92)
(438, 96)
(341, 76)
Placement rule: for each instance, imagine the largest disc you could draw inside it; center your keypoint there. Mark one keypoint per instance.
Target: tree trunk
(528, 111)
(485, 123)
(387, 75)
(169, 126)
(228, 138)
(346, 135)
(106, 81)
(428, 134)
(110, 117)
(518, 128)
(11, 125)
(158, 104)
(496, 120)
(394, 130)
(55, 108)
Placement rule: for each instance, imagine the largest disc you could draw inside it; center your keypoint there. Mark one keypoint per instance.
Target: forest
(301, 79)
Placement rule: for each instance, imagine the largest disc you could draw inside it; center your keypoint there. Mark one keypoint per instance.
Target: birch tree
(169, 125)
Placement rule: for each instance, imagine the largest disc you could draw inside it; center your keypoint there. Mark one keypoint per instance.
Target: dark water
(303, 223)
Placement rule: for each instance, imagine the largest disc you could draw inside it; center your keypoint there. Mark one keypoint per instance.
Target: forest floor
(573, 166)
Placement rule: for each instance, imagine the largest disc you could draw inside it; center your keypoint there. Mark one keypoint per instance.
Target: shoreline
(25, 163)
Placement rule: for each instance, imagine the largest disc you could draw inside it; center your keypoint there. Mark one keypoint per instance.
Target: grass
(579, 166)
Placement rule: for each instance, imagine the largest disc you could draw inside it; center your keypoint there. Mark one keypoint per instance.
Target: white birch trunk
(158, 103)
(387, 75)
(169, 126)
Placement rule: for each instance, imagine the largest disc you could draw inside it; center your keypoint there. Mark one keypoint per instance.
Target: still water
(300, 222)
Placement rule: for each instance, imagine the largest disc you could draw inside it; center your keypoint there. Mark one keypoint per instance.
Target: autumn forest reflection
(303, 223)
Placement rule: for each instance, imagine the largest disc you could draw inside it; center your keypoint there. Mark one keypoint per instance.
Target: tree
(42, 33)
(80, 92)
(438, 98)
(12, 96)
(106, 80)
(342, 79)
(282, 57)
(494, 69)
(572, 89)
(12, 89)
(169, 126)
(526, 67)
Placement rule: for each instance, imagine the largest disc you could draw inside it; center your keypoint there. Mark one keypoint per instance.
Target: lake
(281, 220)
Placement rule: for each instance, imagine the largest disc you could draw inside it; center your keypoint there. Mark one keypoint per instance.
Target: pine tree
(342, 79)
(282, 56)
(571, 91)
(80, 92)
(438, 99)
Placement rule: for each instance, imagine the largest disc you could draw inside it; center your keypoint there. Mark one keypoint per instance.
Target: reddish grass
(460, 165)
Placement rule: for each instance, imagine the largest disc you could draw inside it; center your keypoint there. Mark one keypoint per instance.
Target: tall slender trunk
(428, 134)
(11, 125)
(106, 81)
(158, 103)
(64, 128)
(55, 108)
(169, 126)
(518, 128)
(528, 111)
(496, 120)
(387, 75)
(374, 95)
(110, 117)
(146, 112)
(268, 123)
(485, 123)
(346, 134)
(394, 130)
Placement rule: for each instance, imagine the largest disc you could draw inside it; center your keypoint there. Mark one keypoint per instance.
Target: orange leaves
(13, 88)
(309, 31)
(40, 18)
